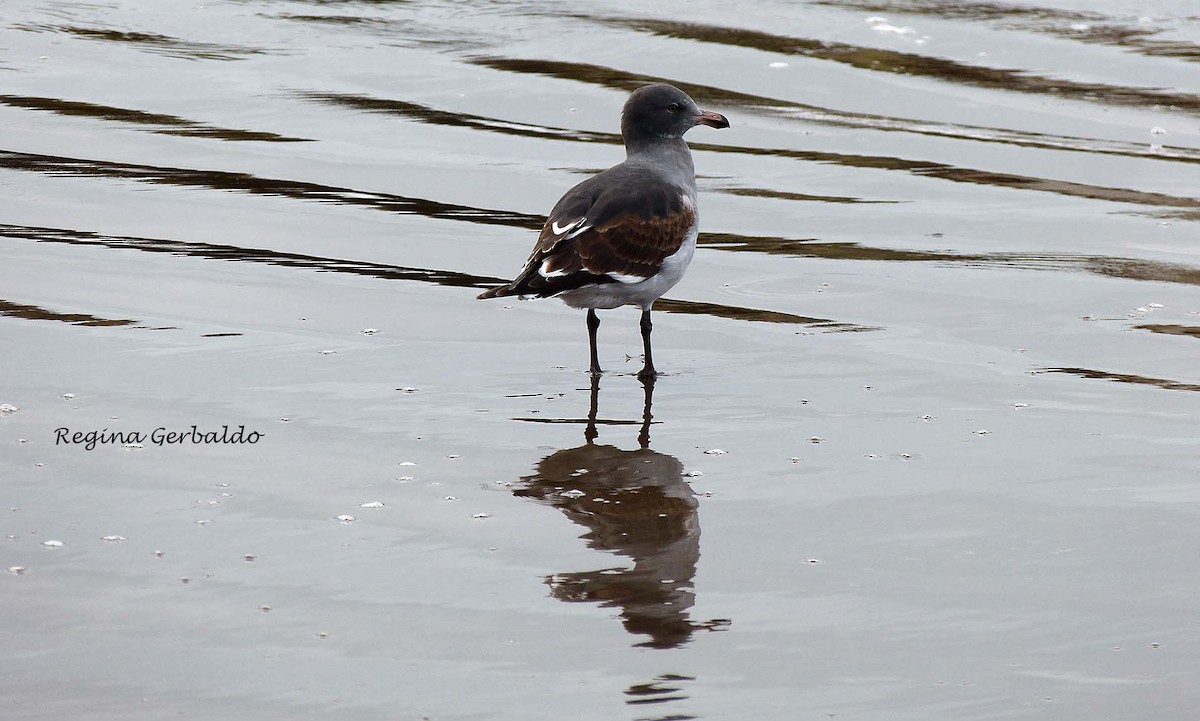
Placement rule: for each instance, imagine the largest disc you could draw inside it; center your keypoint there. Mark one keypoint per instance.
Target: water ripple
(252, 184)
(1129, 268)
(902, 63)
(1171, 329)
(154, 42)
(156, 122)
(435, 116)
(746, 102)
(33, 312)
(1103, 265)
(1123, 378)
(448, 278)
(1081, 25)
(974, 176)
(801, 197)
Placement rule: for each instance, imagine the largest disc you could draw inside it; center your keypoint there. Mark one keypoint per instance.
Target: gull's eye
(673, 108)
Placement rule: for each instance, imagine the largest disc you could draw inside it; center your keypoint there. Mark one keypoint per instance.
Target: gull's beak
(712, 120)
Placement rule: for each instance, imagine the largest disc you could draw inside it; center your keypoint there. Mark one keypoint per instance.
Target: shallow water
(925, 444)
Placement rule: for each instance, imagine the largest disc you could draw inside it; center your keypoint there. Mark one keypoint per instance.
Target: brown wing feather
(629, 244)
(628, 229)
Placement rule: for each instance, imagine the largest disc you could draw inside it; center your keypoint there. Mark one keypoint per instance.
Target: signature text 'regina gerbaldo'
(159, 436)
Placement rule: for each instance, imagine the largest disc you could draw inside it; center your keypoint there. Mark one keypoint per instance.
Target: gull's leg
(647, 369)
(593, 323)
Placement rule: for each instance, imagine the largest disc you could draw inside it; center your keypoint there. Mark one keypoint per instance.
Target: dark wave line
(215, 251)
(1081, 25)
(434, 116)
(1187, 215)
(734, 312)
(448, 278)
(245, 183)
(254, 185)
(614, 78)
(1124, 378)
(1133, 39)
(965, 10)
(158, 122)
(801, 197)
(337, 20)
(900, 63)
(583, 421)
(974, 176)
(711, 95)
(153, 42)
(1103, 265)
(33, 312)
(1171, 329)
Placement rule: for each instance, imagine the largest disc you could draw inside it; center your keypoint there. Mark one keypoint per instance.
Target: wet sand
(925, 442)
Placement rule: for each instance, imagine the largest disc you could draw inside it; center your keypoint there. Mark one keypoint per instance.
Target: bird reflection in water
(636, 504)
